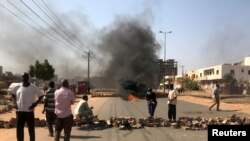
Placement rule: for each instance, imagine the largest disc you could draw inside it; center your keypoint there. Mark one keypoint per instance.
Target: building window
(200, 74)
(248, 72)
(232, 72)
(217, 72)
(242, 70)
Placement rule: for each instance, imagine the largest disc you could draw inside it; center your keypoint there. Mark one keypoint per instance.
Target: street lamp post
(165, 34)
(182, 76)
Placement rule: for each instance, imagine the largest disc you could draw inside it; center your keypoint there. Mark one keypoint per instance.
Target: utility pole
(89, 56)
(182, 75)
(182, 71)
(164, 59)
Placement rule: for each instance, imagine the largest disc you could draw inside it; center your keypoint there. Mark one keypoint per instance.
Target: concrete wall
(241, 73)
(247, 61)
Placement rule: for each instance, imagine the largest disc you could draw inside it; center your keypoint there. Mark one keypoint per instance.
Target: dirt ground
(226, 104)
(10, 134)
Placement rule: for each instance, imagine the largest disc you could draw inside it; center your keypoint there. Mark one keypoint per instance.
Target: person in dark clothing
(216, 97)
(49, 107)
(151, 101)
(24, 102)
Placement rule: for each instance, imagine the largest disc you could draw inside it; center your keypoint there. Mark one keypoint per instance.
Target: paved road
(107, 107)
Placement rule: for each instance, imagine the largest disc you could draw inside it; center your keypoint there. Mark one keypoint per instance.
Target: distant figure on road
(82, 110)
(24, 102)
(172, 101)
(151, 101)
(49, 107)
(216, 97)
(88, 90)
(64, 97)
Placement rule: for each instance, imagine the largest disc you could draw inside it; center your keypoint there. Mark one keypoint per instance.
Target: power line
(31, 19)
(40, 32)
(53, 21)
(22, 19)
(46, 22)
(59, 20)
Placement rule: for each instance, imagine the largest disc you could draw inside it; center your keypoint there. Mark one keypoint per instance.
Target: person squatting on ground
(216, 97)
(82, 111)
(172, 101)
(24, 102)
(49, 107)
(151, 101)
(64, 98)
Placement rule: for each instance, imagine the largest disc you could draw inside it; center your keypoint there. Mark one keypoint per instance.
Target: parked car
(13, 88)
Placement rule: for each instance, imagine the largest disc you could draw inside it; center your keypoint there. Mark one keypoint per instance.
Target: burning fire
(132, 97)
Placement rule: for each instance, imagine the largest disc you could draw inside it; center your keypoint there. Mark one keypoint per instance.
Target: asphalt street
(108, 107)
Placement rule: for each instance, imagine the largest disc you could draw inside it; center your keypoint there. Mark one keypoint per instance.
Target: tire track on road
(115, 114)
(111, 114)
(129, 111)
(159, 128)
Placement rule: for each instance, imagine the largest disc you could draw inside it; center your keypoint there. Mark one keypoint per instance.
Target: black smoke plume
(130, 48)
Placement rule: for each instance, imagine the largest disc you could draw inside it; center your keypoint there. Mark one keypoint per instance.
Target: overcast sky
(204, 32)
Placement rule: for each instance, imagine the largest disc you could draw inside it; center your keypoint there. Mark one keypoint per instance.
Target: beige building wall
(210, 73)
(247, 61)
(241, 73)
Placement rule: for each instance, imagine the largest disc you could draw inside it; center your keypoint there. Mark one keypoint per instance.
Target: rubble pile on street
(12, 123)
(186, 123)
(103, 95)
(128, 123)
(7, 108)
(105, 90)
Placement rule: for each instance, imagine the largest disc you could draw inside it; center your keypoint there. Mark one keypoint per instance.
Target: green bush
(191, 84)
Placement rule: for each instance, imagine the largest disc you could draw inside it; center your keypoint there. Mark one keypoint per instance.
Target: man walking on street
(64, 97)
(24, 103)
(216, 98)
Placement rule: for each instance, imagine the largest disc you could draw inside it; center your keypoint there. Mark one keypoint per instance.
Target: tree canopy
(190, 84)
(43, 71)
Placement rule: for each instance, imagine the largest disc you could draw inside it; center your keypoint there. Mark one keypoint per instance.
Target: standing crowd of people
(57, 107)
(172, 101)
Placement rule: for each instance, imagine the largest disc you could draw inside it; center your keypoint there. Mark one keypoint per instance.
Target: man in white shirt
(172, 101)
(82, 110)
(24, 102)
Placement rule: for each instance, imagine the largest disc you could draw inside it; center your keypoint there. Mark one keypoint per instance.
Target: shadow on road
(192, 112)
(89, 128)
(228, 110)
(83, 137)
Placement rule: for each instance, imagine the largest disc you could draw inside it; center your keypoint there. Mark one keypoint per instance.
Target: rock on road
(106, 107)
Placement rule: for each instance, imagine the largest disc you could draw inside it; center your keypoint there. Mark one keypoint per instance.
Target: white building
(206, 76)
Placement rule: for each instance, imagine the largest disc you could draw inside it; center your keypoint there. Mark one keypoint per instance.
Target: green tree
(190, 84)
(43, 71)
